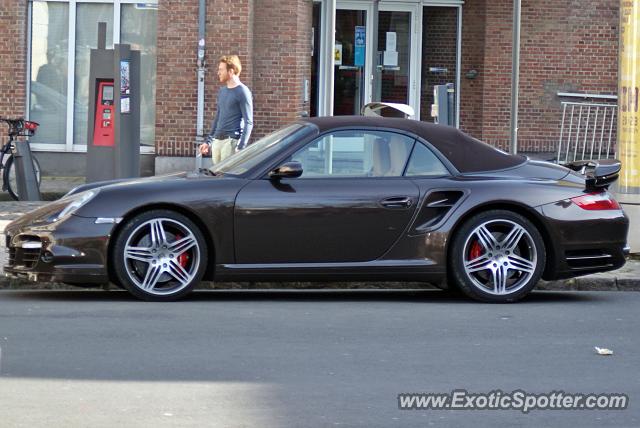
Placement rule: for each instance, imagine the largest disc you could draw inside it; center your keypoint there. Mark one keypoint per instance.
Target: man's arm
(246, 107)
(204, 147)
(214, 124)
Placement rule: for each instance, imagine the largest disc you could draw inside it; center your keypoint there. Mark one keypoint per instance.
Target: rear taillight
(31, 126)
(596, 201)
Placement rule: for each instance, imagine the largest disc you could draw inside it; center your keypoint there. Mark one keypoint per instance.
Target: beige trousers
(221, 149)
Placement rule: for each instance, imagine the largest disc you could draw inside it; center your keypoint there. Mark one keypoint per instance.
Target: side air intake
(435, 208)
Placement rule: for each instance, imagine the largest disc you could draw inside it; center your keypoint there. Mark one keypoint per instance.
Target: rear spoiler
(387, 110)
(599, 174)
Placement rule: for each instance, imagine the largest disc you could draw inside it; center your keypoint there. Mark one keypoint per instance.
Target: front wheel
(497, 256)
(159, 255)
(10, 176)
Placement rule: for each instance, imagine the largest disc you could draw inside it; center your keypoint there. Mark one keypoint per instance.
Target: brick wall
(565, 46)
(282, 60)
(272, 39)
(229, 32)
(13, 53)
(473, 48)
(176, 77)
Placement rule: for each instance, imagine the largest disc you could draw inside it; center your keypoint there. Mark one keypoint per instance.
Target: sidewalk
(625, 279)
(51, 188)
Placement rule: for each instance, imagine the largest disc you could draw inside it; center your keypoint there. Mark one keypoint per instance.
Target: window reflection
(138, 29)
(49, 53)
(87, 17)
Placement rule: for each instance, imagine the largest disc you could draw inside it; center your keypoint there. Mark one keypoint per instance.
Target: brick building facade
(566, 47)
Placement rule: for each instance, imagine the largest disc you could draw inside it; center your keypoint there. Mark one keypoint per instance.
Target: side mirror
(287, 170)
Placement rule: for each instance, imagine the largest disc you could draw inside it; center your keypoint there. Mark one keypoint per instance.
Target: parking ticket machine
(443, 107)
(113, 114)
(103, 134)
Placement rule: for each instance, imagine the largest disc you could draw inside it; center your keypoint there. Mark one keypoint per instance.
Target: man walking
(232, 125)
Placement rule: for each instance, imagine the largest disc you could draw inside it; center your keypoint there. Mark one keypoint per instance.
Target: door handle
(397, 202)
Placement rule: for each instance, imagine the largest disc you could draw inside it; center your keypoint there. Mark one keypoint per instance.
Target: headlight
(75, 202)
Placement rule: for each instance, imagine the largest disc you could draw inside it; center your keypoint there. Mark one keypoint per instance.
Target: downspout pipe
(515, 76)
(202, 13)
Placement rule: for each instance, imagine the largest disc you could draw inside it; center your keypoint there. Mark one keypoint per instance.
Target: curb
(573, 284)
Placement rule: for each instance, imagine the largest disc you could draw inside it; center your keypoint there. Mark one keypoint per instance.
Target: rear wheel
(497, 256)
(159, 255)
(10, 177)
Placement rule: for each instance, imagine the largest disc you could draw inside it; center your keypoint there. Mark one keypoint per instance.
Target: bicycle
(17, 128)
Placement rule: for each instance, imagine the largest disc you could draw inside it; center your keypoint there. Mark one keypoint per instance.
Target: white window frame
(69, 145)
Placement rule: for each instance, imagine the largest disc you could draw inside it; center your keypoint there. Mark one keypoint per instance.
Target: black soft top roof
(465, 152)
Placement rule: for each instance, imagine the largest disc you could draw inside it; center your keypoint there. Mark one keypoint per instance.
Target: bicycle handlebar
(20, 127)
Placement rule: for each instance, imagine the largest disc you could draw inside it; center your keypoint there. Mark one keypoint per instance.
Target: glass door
(388, 72)
(352, 58)
(396, 69)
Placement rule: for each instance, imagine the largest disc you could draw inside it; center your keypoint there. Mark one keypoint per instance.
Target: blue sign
(360, 46)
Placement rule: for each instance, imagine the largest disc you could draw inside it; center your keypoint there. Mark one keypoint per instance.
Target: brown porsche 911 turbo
(337, 198)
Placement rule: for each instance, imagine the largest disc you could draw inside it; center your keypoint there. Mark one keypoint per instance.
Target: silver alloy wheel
(161, 256)
(500, 257)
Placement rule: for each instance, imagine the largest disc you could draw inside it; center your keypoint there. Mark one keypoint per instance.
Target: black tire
(501, 267)
(116, 283)
(162, 269)
(9, 176)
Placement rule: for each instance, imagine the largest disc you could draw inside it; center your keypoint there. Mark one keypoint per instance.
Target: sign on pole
(628, 94)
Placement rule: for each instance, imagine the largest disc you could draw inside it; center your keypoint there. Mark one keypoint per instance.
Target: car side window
(355, 154)
(424, 163)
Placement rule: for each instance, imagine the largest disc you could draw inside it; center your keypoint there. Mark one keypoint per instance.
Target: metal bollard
(28, 189)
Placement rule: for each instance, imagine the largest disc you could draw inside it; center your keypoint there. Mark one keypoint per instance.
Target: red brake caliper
(475, 251)
(183, 258)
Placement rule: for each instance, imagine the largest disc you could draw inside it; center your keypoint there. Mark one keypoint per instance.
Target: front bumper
(73, 251)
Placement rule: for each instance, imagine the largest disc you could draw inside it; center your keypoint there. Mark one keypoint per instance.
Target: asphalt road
(307, 358)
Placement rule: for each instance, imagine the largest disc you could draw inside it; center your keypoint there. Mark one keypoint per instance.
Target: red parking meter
(105, 112)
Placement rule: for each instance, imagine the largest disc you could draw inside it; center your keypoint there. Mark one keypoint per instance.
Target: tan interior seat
(380, 158)
(398, 154)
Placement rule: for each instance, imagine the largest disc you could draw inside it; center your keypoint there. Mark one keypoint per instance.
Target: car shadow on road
(313, 295)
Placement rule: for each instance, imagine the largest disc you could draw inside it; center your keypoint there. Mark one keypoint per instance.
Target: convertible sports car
(338, 198)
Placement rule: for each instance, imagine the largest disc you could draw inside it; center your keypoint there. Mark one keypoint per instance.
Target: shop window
(49, 56)
(50, 88)
(138, 28)
(87, 17)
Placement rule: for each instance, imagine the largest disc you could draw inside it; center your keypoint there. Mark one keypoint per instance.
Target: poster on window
(125, 89)
(629, 98)
(360, 46)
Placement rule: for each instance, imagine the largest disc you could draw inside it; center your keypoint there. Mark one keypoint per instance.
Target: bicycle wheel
(10, 179)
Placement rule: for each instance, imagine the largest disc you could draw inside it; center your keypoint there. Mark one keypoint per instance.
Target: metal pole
(327, 45)
(26, 180)
(515, 76)
(201, 71)
(377, 71)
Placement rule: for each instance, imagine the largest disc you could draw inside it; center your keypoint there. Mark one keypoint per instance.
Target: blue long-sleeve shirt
(234, 115)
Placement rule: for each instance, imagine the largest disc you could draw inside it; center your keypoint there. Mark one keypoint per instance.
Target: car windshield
(255, 153)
